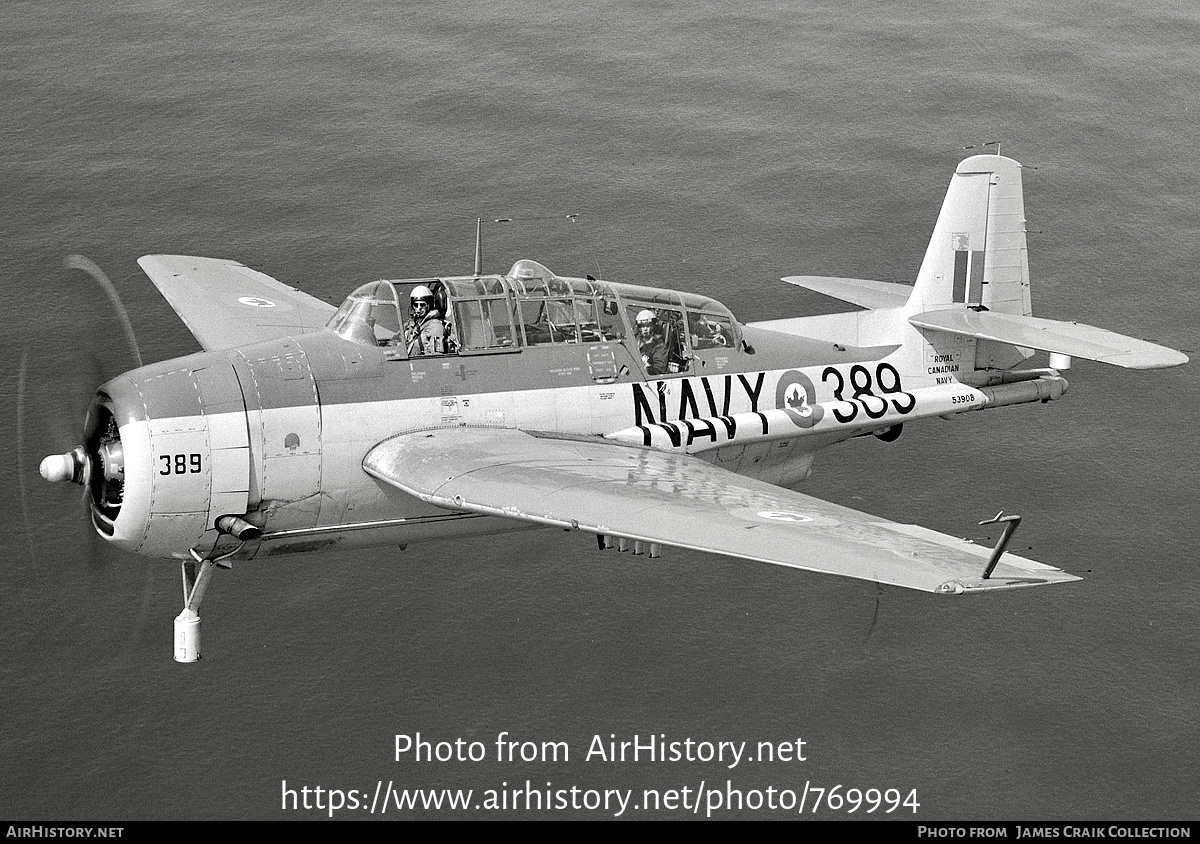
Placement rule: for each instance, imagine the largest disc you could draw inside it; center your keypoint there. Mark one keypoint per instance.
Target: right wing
(226, 304)
(651, 496)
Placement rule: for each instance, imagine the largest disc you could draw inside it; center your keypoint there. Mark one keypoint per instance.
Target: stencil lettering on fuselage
(943, 361)
(689, 397)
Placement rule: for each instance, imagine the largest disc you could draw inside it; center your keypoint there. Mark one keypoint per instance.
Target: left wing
(224, 303)
(662, 497)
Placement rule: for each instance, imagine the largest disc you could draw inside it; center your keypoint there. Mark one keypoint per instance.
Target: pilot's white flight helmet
(421, 295)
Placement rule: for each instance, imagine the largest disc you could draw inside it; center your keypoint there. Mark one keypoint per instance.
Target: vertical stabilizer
(977, 257)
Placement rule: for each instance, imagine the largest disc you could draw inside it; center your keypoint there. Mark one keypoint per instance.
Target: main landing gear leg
(187, 624)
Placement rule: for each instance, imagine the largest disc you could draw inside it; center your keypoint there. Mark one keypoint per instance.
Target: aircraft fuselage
(278, 430)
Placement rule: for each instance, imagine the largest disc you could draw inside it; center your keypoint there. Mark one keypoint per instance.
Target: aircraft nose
(65, 467)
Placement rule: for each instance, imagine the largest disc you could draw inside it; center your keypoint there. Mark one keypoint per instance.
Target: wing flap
(224, 303)
(1048, 335)
(673, 499)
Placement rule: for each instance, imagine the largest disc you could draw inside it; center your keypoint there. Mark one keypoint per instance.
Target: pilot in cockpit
(426, 333)
(651, 343)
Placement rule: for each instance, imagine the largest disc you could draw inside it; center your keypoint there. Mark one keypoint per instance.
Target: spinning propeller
(56, 385)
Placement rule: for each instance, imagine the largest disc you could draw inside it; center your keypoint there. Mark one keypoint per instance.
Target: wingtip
(995, 584)
(1149, 356)
(1172, 358)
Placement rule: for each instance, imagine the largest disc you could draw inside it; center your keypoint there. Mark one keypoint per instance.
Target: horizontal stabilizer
(1048, 335)
(856, 291)
(661, 497)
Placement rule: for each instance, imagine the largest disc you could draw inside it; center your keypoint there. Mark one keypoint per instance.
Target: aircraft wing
(1049, 335)
(224, 303)
(662, 497)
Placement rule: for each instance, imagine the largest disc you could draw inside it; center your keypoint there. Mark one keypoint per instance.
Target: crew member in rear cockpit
(651, 343)
(427, 333)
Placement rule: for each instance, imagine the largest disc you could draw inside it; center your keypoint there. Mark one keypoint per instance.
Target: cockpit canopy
(370, 315)
(529, 306)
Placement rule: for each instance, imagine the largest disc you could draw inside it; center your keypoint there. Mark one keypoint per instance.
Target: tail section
(973, 286)
(977, 256)
(969, 315)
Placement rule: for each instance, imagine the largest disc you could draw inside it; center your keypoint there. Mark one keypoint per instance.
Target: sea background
(713, 146)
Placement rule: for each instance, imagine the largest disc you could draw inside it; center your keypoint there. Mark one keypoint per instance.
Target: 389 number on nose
(180, 464)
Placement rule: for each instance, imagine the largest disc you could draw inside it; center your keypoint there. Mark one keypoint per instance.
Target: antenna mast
(479, 246)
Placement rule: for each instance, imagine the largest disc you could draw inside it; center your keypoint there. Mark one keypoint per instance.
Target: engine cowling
(168, 455)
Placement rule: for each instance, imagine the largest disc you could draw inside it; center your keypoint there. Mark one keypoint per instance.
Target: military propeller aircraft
(448, 406)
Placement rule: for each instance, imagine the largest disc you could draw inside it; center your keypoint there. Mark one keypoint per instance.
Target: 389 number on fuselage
(863, 397)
